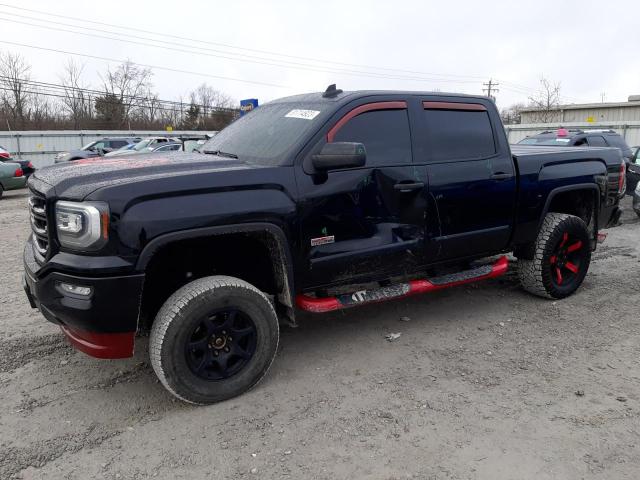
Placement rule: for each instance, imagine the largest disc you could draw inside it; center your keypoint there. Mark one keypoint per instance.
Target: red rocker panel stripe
(328, 304)
(454, 106)
(101, 345)
(361, 109)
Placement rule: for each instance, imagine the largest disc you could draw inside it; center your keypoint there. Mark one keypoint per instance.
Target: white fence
(41, 146)
(630, 131)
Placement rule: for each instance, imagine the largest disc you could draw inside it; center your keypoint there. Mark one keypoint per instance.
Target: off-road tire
(537, 274)
(180, 315)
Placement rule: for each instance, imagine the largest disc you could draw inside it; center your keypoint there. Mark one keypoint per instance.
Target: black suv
(580, 138)
(96, 148)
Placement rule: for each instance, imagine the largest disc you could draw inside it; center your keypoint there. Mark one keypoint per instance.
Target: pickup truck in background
(315, 202)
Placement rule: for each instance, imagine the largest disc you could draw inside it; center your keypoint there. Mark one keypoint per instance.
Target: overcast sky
(289, 47)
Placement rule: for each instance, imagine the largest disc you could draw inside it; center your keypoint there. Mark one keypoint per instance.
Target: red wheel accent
(575, 246)
(571, 267)
(558, 276)
(565, 237)
(552, 260)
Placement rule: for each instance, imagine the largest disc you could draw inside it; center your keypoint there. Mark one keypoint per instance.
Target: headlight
(82, 225)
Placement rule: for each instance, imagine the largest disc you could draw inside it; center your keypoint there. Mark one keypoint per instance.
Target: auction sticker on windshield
(304, 114)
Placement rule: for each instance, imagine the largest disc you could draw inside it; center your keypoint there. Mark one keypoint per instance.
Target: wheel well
(580, 203)
(255, 257)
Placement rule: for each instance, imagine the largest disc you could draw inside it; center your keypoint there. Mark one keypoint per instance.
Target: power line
(146, 65)
(225, 45)
(64, 90)
(260, 61)
(513, 87)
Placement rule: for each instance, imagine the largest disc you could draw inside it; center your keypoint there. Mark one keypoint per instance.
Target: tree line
(123, 100)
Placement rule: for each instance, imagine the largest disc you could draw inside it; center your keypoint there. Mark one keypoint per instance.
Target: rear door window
(384, 133)
(596, 141)
(461, 132)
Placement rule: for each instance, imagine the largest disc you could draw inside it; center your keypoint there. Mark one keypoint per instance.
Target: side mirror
(340, 155)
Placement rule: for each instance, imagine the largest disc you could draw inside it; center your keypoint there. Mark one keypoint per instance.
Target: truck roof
(344, 97)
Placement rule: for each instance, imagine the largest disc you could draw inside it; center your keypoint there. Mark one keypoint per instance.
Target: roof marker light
(562, 132)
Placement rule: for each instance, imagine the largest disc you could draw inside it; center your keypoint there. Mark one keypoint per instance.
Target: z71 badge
(322, 240)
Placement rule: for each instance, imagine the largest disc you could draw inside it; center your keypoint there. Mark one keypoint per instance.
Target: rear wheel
(213, 339)
(1, 190)
(561, 257)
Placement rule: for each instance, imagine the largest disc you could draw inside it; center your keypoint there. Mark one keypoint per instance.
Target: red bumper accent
(101, 345)
(328, 304)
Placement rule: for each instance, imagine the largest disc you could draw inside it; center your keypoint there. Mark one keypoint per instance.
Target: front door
(361, 224)
(472, 179)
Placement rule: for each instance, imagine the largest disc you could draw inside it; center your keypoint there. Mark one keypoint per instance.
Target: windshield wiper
(220, 153)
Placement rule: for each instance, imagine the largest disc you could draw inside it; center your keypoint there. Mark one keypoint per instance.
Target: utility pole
(491, 89)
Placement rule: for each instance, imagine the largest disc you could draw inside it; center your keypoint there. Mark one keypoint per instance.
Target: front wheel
(561, 257)
(213, 339)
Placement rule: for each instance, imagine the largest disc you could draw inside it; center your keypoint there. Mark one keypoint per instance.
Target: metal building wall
(626, 113)
(41, 146)
(630, 131)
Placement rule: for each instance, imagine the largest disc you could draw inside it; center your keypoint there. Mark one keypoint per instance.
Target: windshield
(88, 146)
(268, 133)
(545, 141)
(142, 145)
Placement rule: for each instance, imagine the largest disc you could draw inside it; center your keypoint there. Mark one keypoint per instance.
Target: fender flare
(569, 188)
(281, 257)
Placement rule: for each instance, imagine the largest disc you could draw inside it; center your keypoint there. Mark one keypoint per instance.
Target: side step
(399, 290)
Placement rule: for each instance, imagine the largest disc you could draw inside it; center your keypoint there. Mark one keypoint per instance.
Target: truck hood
(76, 180)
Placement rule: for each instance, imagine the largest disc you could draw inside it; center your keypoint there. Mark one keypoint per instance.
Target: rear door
(368, 222)
(472, 178)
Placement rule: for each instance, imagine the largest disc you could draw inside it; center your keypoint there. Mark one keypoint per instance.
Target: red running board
(400, 290)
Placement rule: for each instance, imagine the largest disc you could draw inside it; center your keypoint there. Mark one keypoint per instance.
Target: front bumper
(102, 324)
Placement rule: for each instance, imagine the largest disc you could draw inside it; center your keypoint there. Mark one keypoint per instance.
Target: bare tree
(546, 103)
(150, 107)
(512, 114)
(76, 102)
(210, 99)
(15, 93)
(127, 83)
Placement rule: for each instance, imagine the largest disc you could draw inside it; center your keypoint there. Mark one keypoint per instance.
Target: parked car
(96, 149)
(143, 146)
(26, 165)
(11, 177)
(4, 153)
(584, 138)
(316, 202)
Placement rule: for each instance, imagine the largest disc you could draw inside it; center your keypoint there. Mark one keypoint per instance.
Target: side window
(117, 143)
(99, 145)
(596, 141)
(458, 134)
(384, 133)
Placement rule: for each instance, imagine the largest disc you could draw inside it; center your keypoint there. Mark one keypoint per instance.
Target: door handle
(501, 176)
(408, 187)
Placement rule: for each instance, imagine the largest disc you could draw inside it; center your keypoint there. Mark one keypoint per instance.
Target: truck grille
(39, 227)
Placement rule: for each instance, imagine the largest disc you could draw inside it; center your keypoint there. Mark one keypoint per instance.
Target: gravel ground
(484, 382)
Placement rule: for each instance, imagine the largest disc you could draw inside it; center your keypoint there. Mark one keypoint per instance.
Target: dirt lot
(485, 382)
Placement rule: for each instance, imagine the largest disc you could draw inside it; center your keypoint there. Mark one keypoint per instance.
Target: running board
(400, 290)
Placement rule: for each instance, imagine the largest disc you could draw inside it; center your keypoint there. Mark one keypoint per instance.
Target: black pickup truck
(315, 202)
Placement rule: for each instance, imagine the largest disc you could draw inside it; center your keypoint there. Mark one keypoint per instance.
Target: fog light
(75, 289)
